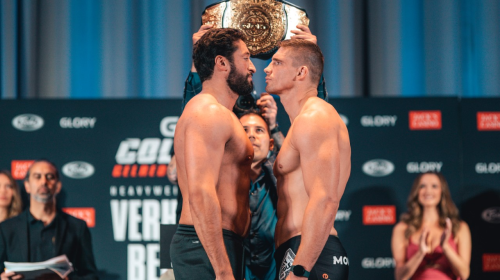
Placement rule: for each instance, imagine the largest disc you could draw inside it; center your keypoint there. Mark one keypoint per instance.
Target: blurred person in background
(10, 197)
(259, 244)
(430, 241)
(43, 231)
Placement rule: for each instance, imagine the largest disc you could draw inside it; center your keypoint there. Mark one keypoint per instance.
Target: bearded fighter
(312, 168)
(214, 156)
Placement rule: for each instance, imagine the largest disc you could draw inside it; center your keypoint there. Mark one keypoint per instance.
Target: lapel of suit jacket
(60, 232)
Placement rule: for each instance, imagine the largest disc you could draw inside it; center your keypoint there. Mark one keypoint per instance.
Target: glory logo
(425, 166)
(378, 121)
(378, 263)
(77, 122)
(488, 168)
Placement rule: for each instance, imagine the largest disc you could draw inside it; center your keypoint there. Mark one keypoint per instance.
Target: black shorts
(190, 261)
(331, 264)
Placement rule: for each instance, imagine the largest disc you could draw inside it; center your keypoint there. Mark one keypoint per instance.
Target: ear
(222, 64)
(58, 187)
(27, 186)
(303, 73)
(271, 144)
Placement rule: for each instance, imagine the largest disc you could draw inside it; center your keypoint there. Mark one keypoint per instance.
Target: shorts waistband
(189, 230)
(297, 238)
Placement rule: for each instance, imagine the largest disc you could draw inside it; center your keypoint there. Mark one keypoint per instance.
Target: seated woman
(430, 241)
(10, 198)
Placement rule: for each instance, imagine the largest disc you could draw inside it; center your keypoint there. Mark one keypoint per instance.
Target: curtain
(142, 48)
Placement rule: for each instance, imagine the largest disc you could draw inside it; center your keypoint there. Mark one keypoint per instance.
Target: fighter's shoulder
(319, 108)
(319, 115)
(205, 107)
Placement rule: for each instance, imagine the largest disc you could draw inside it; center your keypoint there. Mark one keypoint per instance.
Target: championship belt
(265, 23)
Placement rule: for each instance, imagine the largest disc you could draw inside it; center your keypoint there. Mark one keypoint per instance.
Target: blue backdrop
(142, 48)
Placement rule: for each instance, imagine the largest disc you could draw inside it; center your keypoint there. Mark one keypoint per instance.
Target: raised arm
(320, 162)
(196, 36)
(193, 85)
(205, 137)
(269, 110)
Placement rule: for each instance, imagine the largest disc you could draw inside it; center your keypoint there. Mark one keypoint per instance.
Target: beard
(238, 82)
(43, 198)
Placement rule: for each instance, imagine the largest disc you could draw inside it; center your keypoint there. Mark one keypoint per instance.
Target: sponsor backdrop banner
(113, 156)
(392, 140)
(481, 183)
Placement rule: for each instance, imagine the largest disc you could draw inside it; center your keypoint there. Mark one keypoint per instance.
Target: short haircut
(257, 113)
(306, 53)
(27, 177)
(217, 41)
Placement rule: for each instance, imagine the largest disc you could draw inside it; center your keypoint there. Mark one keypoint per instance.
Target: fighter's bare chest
(288, 159)
(239, 148)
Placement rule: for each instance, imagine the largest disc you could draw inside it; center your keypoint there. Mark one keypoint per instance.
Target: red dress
(435, 265)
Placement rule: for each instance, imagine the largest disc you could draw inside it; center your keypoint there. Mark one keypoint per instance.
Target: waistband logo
(286, 264)
(342, 260)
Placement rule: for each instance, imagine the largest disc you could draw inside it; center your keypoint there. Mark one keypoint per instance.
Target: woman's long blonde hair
(15, 206)
(446, 207)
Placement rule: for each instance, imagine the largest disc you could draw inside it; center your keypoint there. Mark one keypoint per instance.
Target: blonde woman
(430, 241)
(10, 198)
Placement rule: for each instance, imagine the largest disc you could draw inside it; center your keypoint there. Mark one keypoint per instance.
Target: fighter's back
(212, 149)
(304, 165)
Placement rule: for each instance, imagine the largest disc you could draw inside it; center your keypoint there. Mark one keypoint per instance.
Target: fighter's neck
(221, 92)
(294, 100)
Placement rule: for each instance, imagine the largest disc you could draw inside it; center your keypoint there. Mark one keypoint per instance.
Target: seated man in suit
(43, 232)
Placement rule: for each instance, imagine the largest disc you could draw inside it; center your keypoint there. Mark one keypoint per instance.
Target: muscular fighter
(214, 156)
(312, 168)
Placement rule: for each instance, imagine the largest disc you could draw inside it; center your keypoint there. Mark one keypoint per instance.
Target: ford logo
(378, 167)
(27, 122)
(491, 215)
(78, 169)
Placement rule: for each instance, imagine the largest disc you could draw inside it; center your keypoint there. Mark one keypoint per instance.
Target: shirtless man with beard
(214, 156)
(312, 168)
